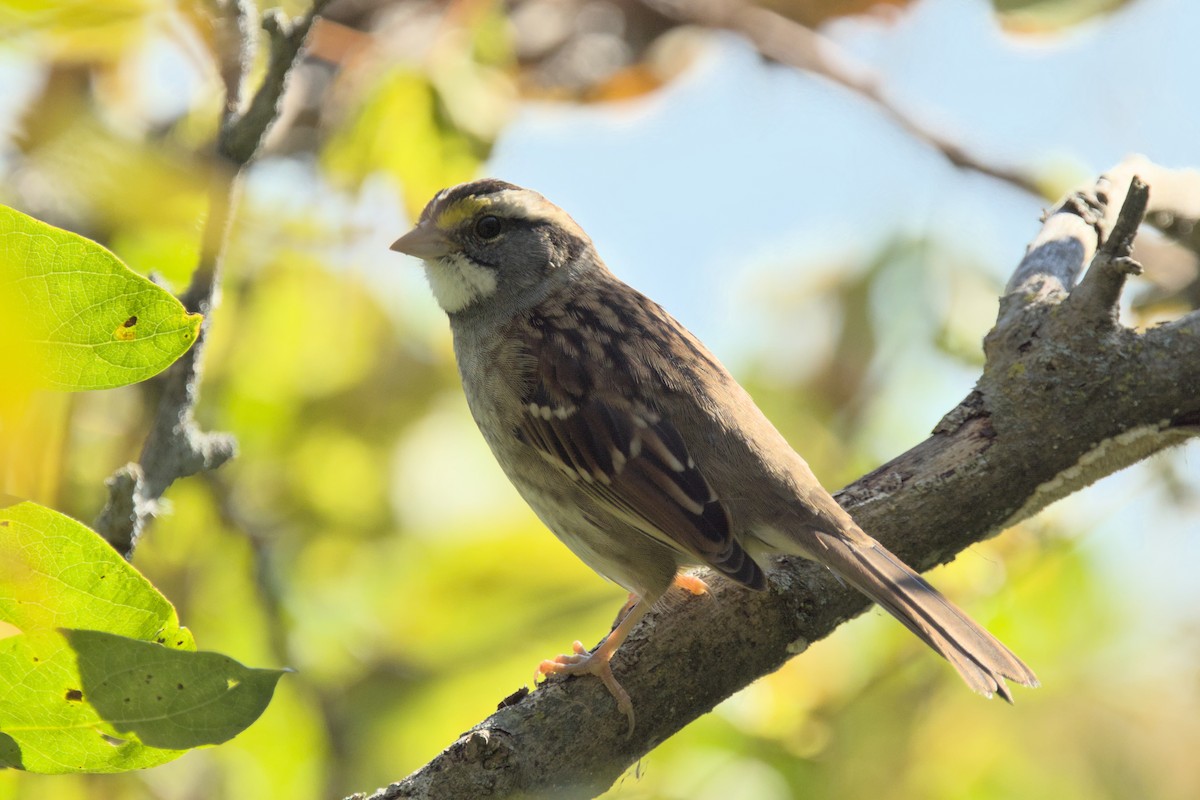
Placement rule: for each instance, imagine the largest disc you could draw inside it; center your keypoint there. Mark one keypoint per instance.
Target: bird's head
(491, 244)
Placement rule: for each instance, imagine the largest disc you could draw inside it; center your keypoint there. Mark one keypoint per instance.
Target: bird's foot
(582, 662)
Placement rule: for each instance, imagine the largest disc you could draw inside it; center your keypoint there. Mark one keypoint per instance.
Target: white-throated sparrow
(629, 439)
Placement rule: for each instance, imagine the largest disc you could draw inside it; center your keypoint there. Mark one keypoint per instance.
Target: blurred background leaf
(1048, 16)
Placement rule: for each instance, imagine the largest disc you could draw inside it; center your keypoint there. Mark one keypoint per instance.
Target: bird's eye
(487, 227)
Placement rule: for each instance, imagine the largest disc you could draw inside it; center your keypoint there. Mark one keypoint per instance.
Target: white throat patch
(457, 282)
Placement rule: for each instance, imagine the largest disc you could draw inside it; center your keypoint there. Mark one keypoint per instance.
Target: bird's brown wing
(590, 423)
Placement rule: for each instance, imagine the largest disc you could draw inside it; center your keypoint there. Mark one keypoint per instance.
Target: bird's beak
(424, 241)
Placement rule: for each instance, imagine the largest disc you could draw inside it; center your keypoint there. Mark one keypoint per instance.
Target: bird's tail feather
(982, 661)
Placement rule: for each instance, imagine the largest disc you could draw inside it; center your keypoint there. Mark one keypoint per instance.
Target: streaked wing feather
(589, 411)
(637, 464)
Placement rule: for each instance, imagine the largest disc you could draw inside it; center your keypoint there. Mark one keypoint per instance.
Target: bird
(632, 443)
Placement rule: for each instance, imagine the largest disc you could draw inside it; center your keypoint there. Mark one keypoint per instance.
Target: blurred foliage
(401, 130)
(364, 537)
(78, 30)
(428, 126)
(1048, 16)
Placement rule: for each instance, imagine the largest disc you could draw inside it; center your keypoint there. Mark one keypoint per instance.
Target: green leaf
(85, 320)
(113, 698)
(56, 572)
(86, 701)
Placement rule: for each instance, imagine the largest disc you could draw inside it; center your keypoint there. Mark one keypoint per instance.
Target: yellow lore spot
(461, 211)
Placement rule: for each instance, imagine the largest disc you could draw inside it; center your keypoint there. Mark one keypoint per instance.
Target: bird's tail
(982, 661)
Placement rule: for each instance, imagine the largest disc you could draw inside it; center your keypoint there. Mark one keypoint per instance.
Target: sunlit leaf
(86, 320)
(78, 700)
(55, 572)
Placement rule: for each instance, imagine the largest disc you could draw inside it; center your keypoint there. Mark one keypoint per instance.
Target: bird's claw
(582, 662)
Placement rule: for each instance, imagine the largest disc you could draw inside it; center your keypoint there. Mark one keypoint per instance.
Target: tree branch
(176, 447)
(1067, 396)
(789, 42)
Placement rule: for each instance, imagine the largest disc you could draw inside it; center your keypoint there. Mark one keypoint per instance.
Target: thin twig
(175, 446)
(789, 42)
(1098, 294)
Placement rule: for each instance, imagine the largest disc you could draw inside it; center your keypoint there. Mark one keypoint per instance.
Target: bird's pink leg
(598, 662)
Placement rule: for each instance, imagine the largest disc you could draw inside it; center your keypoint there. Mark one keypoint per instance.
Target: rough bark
(1068, 395)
